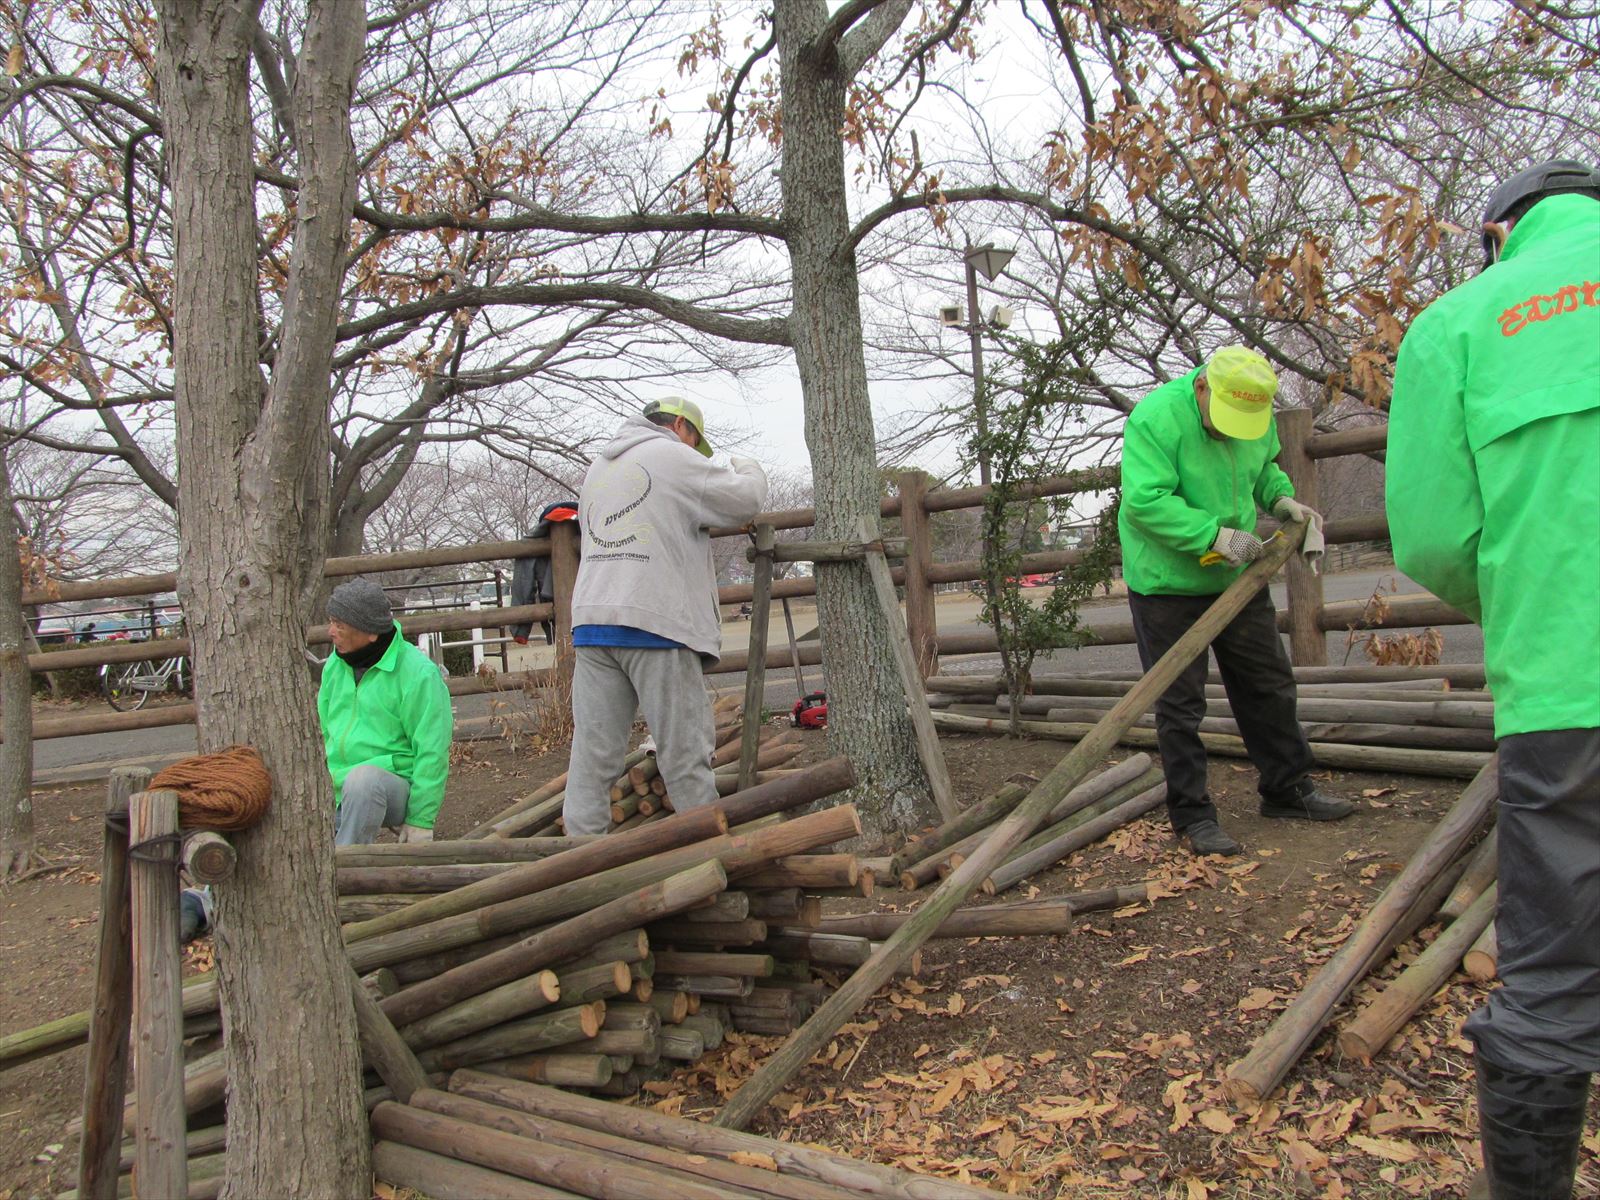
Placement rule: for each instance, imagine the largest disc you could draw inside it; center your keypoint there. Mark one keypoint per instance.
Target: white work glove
(1237, 546)
(744, 466)
(1313, 548)
(415, 833)
(1287, 508)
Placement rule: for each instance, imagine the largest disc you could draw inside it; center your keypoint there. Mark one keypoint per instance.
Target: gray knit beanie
(361, 604)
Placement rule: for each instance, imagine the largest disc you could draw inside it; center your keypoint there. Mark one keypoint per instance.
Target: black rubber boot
(1531, 1126)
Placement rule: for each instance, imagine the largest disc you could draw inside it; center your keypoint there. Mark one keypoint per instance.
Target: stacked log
(571, 962)
(492, 1134)
(1360, 719)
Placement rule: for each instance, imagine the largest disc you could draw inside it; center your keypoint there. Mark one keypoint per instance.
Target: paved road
(64, 758)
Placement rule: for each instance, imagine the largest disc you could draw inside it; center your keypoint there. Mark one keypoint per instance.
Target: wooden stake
(898, 950)
(560, 1027)
(518, 998)
(681, 1174)
(558, 1070)
(160, 1167)
(682, 829)
(1015, 870)
(905, 661)
(1369, 1032)
(556, 942)
(1481, 962)
(644, 1125)
(1253, 1077)
(105, 1080)
(794, 650)
(581, 1171)
(382, 1046)
(1480, 874)
(755, 675)
(1448, 764)
(444, 1178)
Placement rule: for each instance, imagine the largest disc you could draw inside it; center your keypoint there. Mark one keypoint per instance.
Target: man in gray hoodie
(644, 611)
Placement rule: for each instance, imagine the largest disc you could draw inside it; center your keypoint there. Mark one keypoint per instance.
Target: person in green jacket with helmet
(1494, 505)
(1197, 465)
(386, 721)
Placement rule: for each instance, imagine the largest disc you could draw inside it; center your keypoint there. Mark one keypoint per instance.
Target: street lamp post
(991, 261)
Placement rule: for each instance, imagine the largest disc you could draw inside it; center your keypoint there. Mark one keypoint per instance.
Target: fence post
(1308, 645)
(563, 577)
(922, 621)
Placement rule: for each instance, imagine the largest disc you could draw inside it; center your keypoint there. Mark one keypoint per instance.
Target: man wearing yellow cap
(645, 620)
(1197, 465)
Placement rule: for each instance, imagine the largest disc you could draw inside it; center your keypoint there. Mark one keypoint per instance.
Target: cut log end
(1354, 1045)
(1241, 1092)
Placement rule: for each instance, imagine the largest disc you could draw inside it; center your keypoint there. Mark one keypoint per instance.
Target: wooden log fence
(1306, 618)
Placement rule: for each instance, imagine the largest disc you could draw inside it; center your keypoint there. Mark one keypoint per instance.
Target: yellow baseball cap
(1242, 387)
(677, 406)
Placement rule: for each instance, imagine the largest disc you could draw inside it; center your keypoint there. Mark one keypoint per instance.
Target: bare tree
(254, 498)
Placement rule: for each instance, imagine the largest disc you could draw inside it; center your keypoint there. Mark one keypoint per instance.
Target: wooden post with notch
(755, 671)
(105, 1080)
(1308, 645)
(160, 1162)
(905, 661)
(922, 623)
(564, 541)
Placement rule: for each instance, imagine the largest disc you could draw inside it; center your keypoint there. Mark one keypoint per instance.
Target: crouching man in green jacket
(386, 721)
(1197, 463)
(1494, 504)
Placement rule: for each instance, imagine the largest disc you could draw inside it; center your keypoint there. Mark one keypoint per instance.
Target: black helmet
(1526, 188)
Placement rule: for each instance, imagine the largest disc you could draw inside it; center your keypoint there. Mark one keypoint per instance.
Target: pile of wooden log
(1447, 881)
(1432, 721)
(588, 963)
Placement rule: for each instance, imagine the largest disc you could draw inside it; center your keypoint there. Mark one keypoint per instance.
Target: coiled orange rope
(227, 790)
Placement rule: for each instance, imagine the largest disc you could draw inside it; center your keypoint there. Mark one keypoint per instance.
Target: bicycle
(127, 686)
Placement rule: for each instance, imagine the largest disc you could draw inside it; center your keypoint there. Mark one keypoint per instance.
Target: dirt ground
(1084, 1065)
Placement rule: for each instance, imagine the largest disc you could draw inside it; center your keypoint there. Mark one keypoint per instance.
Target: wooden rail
(919, 573)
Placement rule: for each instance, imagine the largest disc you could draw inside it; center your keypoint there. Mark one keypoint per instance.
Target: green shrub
(458, 658)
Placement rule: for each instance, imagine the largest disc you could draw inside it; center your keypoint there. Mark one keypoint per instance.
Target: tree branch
(537, 217)
(770, 332)
(858, 46)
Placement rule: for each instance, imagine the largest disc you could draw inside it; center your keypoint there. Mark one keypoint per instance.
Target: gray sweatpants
(1546, 1019)
(370, 799)
(609, 684)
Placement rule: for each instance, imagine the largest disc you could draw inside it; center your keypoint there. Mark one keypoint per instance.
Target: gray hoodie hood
(636, 431)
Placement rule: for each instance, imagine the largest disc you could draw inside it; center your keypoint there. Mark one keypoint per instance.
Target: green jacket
(398, 718)
(1494, 464)
(1180, 485)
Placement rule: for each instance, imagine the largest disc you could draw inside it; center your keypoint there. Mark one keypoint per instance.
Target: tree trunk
(16, 701)
(254, 509)
(869, 722)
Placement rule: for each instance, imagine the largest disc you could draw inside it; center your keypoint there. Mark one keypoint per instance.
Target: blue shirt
(622, 635)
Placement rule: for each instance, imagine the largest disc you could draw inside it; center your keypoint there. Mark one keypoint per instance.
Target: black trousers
(1546, 1018)
(1260, 685)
